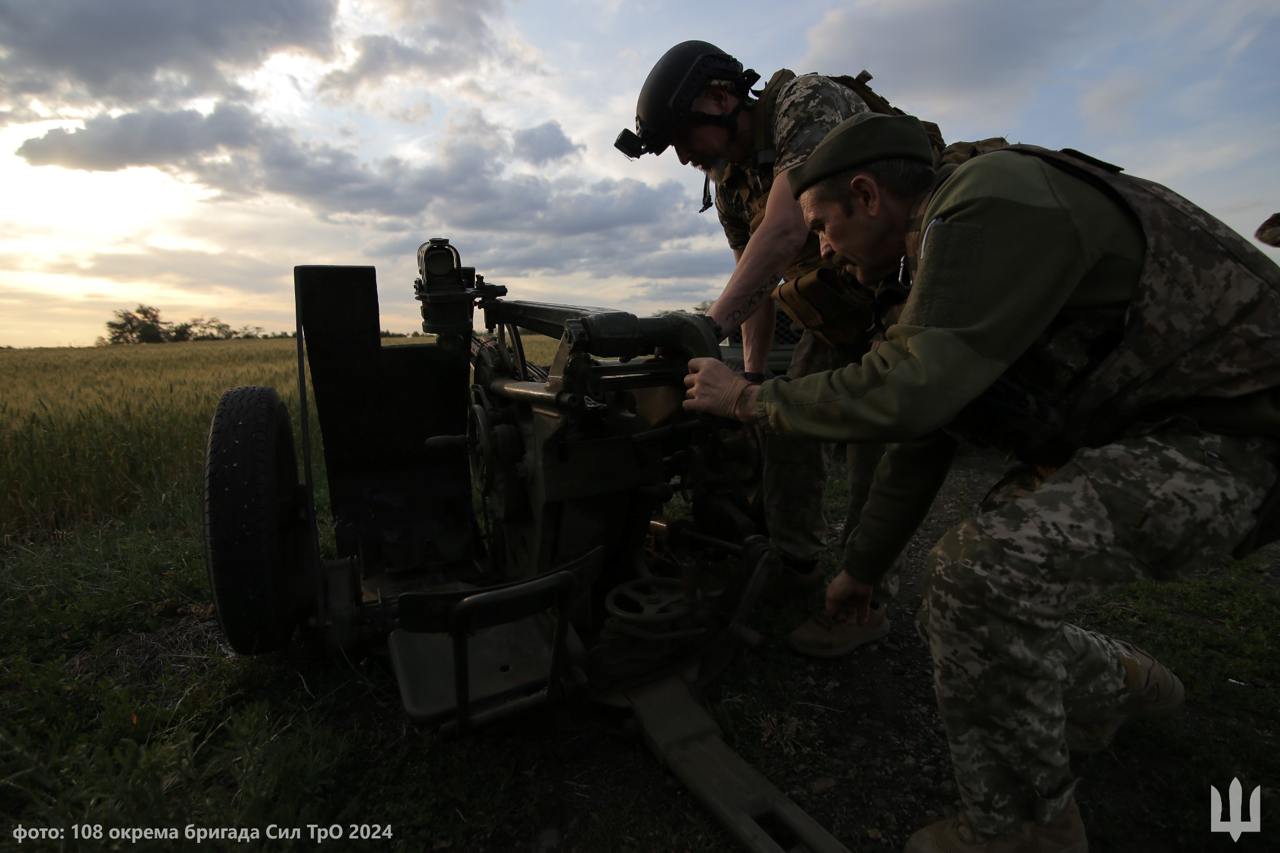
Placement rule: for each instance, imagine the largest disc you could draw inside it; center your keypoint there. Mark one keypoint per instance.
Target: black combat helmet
(668, 93)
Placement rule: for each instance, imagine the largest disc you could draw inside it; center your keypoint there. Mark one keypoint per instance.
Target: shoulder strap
(767, 105)
(762, 142)
(877, 103)
(874, 101)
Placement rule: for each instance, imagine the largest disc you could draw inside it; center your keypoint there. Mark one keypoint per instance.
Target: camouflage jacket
(1057, 304)
(803, 110)
(1203, 323)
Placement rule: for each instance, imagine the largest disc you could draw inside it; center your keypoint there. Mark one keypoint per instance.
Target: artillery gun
(509, 530)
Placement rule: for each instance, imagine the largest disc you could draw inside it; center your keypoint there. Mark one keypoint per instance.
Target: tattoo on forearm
(734, 319)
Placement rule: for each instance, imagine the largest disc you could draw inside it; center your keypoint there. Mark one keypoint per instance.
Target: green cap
(864, 138)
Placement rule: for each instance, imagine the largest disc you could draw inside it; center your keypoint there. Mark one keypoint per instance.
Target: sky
(187, 154)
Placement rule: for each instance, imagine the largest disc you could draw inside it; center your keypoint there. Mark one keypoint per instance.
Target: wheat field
(87, 435)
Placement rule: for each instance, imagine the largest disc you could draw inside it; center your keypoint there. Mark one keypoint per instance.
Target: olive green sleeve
(995, 269)
(906, 482)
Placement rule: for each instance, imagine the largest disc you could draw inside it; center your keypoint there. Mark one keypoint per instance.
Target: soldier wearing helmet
(698, 100)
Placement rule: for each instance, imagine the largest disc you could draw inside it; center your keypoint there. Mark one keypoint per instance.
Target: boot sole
(840, 651)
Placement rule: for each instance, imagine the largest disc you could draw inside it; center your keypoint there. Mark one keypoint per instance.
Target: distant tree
(140, 326)
(144, 326)
(212, 329)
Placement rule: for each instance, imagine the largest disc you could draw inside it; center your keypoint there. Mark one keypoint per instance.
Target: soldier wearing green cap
(1125, 346)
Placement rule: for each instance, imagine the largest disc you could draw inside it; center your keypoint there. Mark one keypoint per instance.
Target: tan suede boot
(1153, 691)
(823, 637)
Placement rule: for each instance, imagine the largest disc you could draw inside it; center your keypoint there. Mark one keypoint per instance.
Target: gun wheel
(254, 526)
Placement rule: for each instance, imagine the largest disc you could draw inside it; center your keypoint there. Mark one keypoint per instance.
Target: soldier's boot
(1064, 834)
(1153, 690)
(823, 637)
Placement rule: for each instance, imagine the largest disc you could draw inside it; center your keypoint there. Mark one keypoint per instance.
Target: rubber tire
(253, 527)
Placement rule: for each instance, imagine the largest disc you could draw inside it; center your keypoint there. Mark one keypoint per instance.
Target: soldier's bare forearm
(758, 270)
(736, 312)
(774, 245)
(723, 308)
(757, 338)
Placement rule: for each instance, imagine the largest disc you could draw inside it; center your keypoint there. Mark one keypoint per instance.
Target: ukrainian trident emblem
(1236, 825)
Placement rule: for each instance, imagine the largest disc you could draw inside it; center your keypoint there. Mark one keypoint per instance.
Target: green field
(121, 706)
(119, 703)
(92, 434)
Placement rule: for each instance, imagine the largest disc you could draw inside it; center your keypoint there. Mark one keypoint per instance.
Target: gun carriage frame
(502, 525)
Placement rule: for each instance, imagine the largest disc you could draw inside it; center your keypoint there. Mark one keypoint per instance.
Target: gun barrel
(532, 392)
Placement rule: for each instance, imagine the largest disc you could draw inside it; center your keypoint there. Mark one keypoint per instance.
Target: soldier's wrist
(744, 408)
(863, 577)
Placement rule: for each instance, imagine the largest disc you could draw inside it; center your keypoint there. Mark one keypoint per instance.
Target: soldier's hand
(848, 599)
(713, 389)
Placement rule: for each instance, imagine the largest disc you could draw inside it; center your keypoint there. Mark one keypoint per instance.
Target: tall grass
(89, 434)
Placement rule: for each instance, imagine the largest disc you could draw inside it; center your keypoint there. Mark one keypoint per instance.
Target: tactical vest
(764, 153)
(815, 296)
(1203, 322)
(754, 179)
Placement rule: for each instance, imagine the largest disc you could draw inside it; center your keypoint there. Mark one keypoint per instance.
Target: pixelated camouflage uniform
(804, 108)
(1126, 346)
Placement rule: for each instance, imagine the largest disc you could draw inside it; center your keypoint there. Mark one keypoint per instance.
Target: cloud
(149, 137)
(234, 151)
(467, 20)
(69, 53)
(1200, 154)
(467, 187)
(685, 295)
(470, 180)
(183, 268)
(434, 40)
(640, 251)
(544, 143)
(1225, 26)
(381, 57)
(1112, 103)
(940, 59)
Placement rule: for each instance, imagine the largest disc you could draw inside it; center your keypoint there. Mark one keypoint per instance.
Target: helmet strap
(729, 121)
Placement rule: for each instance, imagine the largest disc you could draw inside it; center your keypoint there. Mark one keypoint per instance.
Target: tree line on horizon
(143, 325)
